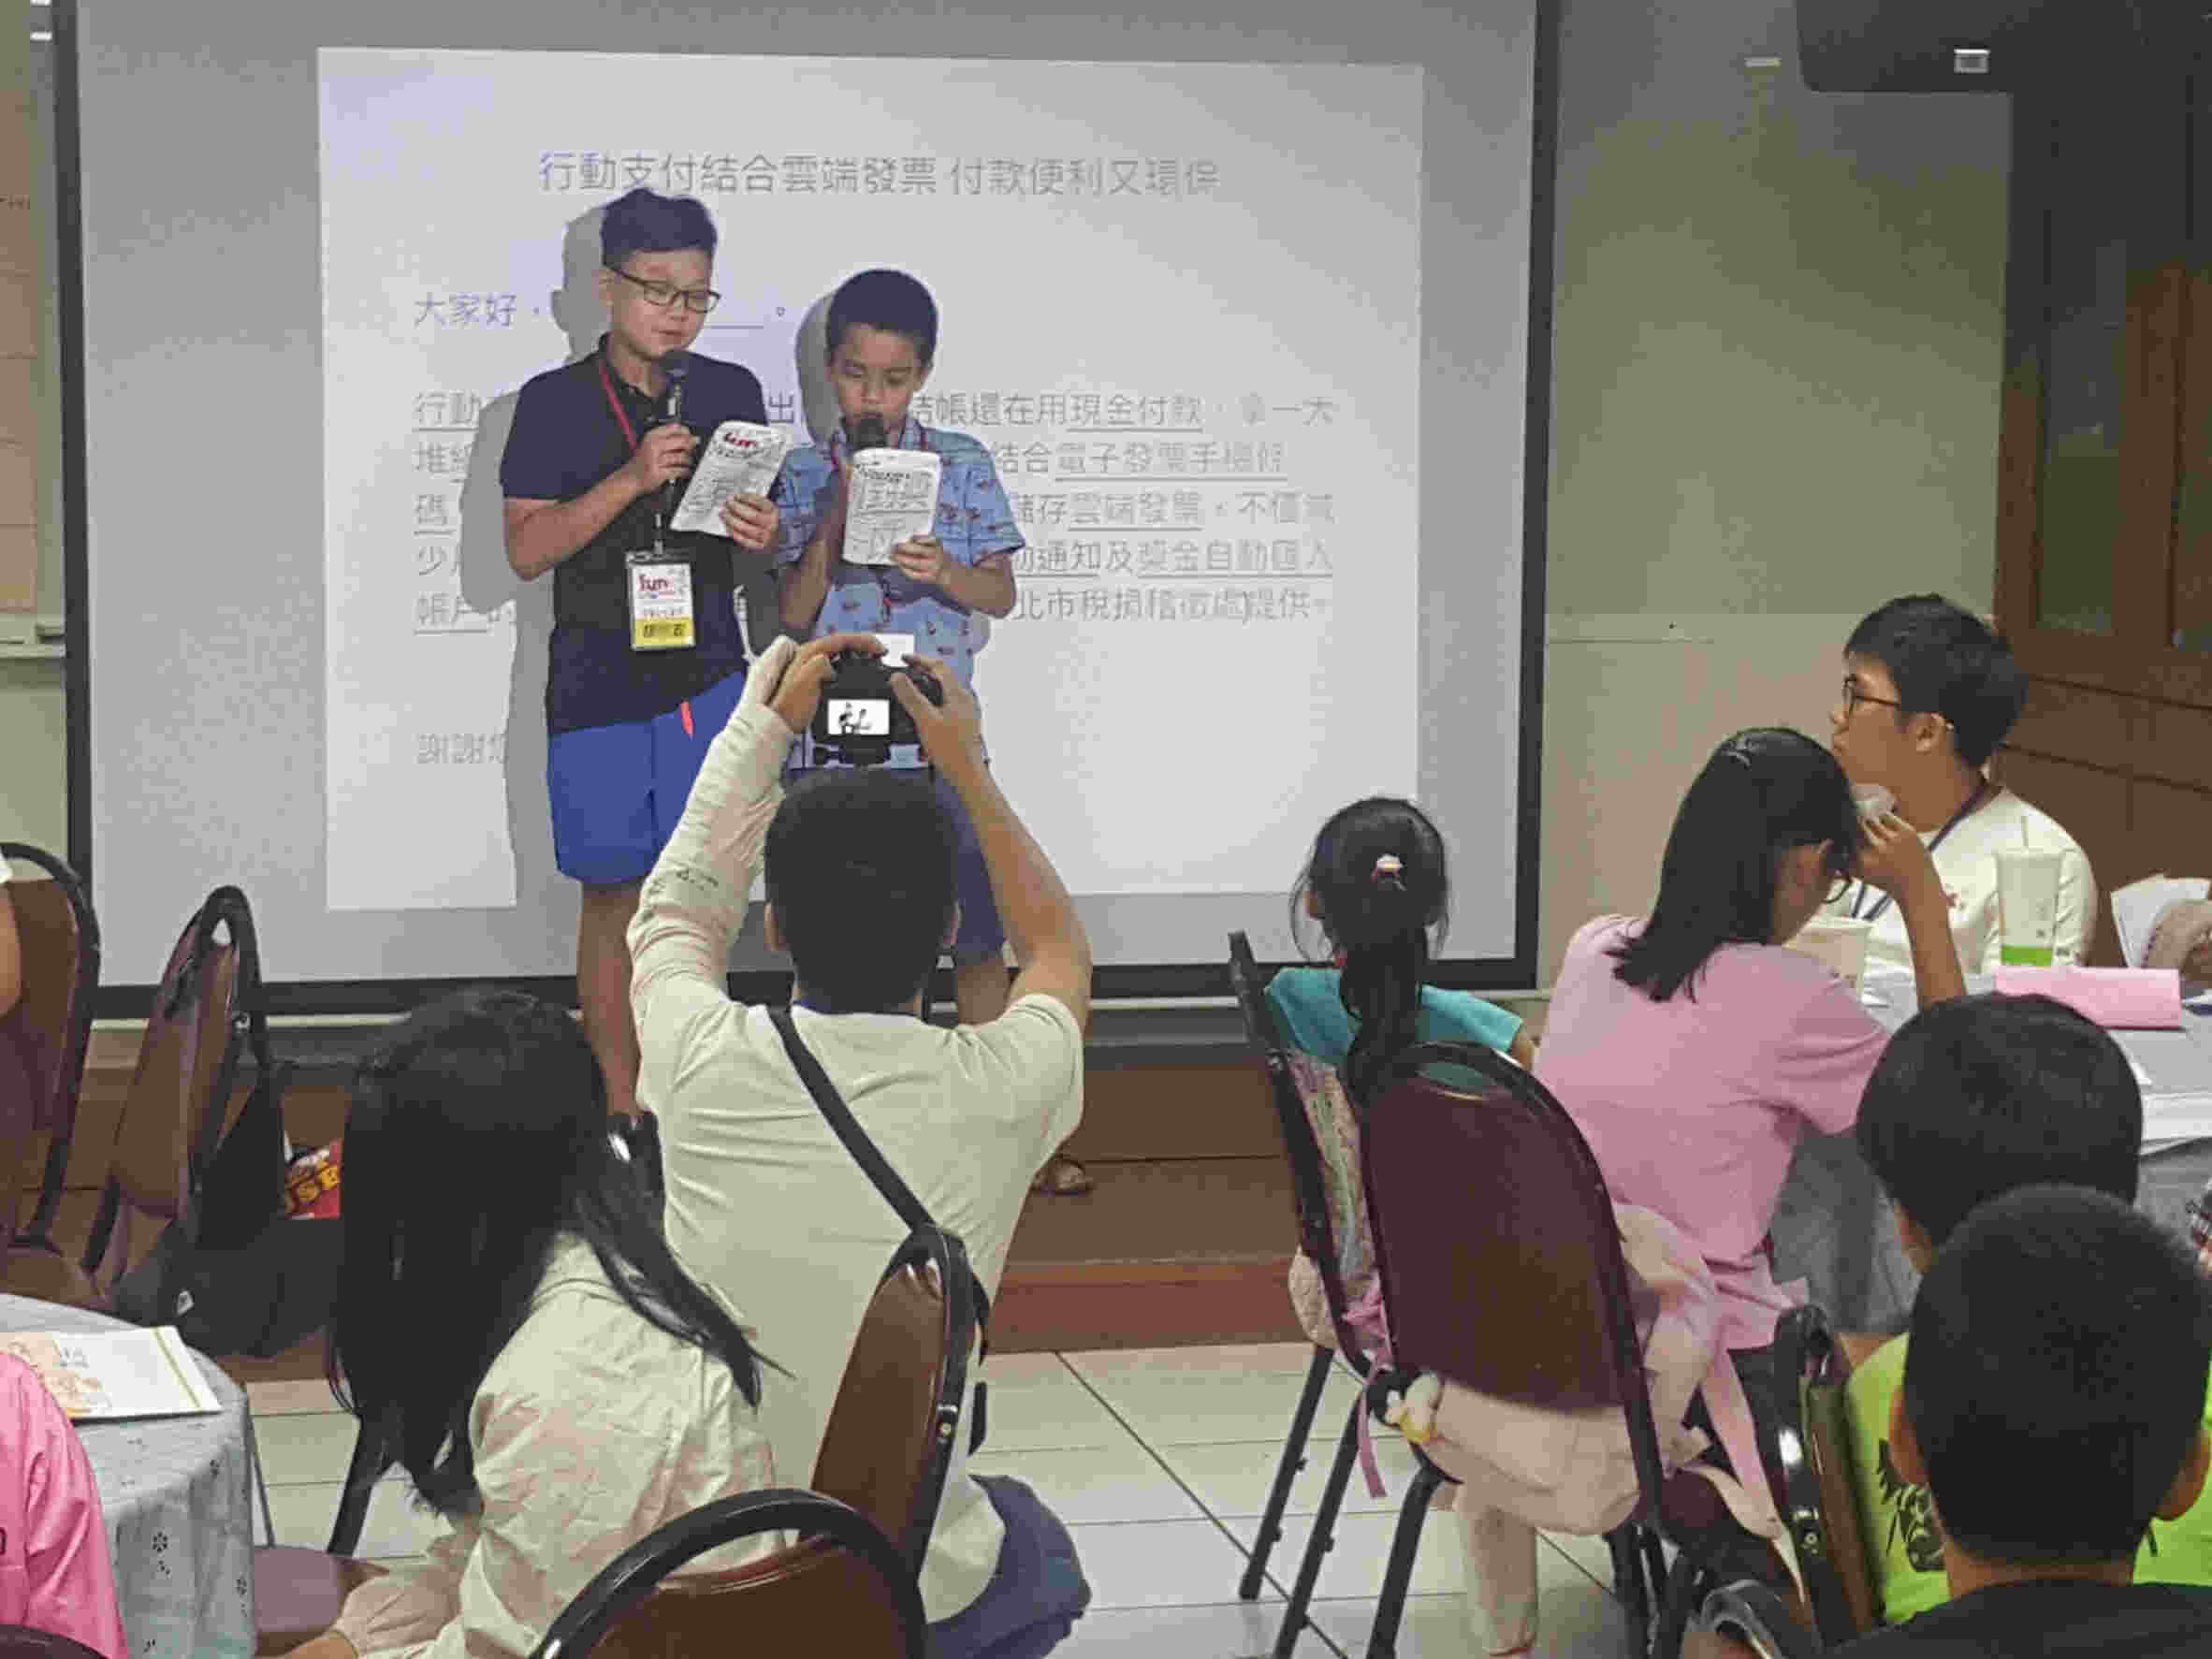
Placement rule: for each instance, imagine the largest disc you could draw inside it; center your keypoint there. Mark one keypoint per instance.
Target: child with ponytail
(1376, 883)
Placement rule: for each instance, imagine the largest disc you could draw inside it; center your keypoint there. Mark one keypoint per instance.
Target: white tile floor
(1158, 1461)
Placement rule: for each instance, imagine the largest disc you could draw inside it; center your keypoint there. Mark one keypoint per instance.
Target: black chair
(1316, 1239)
(888, 1444)
(298, 1592)
(844, 1588)
(43, 1042)
(20, 1641)
(1501, 1265)
(1811, 1445)
(1754, 1615)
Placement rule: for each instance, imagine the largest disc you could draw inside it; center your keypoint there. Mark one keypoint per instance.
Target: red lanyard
(614, 402)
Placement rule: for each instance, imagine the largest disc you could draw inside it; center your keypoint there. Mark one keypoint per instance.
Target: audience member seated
(1694, 1050)
(1974, 1099)
(11, 951)
(1375, 883)
(55, 1574)
(761, 1194)
(558, 1387)
(2053, 1404)
(1930, 691)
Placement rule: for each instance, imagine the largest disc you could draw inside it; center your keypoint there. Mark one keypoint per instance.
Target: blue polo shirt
(974, 520)
(564, 441)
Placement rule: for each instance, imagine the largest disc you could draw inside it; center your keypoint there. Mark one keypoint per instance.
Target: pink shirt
(1693, 1106)
(54, 1571)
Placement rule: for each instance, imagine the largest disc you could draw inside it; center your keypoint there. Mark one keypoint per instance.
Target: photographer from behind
(765, 1204)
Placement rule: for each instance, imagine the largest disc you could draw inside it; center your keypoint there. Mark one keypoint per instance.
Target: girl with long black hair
(1377, 884)
(510, 1318)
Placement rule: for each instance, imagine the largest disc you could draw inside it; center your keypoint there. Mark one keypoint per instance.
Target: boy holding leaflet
(882, 344)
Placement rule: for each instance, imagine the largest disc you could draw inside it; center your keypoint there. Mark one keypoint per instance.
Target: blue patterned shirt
(974, 520)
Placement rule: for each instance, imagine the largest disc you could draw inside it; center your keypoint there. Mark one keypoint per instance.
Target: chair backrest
(44, 1039)
(889, 1441)
(1496, 1244)
(1295, 1113)
(207, 1013)
(842, 1588)
(1812, 1447)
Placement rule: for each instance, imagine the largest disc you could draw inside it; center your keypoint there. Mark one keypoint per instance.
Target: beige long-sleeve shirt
(591, 1429)
(763, 1198)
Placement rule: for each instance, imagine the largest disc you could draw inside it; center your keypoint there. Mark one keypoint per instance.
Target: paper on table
(2175, 1076)
(893, 500)
(741, 458)
(116, 1373)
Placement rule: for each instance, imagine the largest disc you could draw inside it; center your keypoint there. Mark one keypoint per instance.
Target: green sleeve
(2181, 1552)
(1897, 1519)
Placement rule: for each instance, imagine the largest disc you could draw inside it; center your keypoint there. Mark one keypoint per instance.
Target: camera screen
(860, 717)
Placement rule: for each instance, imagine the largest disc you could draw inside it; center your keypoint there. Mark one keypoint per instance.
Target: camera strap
(885, 1180)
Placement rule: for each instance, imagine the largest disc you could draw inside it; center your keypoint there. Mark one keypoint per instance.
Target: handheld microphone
(868, 432)
(676, 366)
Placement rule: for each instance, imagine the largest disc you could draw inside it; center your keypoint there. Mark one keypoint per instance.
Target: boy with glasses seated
(1930, 691)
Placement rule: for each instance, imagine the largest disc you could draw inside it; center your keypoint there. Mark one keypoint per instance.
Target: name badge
(661, 615)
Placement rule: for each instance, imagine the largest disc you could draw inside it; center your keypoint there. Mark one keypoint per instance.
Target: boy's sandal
(1062, 1177)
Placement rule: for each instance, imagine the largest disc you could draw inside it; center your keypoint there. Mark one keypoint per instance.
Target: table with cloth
(1833, 1226)
(177, 1495)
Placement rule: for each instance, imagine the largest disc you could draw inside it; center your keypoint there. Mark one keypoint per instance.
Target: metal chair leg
(1654, 1571)
(261, 1476)
(1324, 1533)
(362, 1471)
(1624, 1543)
(1687, 1586)
(1382, 1639)
(1287, 1470)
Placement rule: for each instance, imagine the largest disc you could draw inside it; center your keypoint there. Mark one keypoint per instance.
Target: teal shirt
(1310, 1009)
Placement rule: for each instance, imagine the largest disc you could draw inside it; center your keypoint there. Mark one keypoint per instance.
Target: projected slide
(1181, 304)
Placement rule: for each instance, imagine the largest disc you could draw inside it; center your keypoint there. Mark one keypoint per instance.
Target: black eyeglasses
(1853, 694)
(661, 296)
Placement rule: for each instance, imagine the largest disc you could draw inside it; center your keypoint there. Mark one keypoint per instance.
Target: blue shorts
(619, 791)
(982, 935)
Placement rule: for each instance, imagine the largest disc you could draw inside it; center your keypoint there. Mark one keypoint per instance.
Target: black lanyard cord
(1972, 801)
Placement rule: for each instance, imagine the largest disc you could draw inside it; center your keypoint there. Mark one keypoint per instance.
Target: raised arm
(1893, 858)
(1047, 935)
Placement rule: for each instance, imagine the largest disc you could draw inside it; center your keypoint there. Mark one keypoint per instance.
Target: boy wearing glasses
(1929, 691)
(647, 654)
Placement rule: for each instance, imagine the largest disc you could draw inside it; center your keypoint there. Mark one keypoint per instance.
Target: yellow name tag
(661, 615)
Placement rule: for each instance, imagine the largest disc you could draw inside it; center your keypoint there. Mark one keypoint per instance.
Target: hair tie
(1387, 867)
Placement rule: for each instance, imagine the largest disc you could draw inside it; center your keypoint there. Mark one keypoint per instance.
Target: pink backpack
(1573, 1471)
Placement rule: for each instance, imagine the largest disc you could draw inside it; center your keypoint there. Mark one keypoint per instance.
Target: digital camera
(859, 720)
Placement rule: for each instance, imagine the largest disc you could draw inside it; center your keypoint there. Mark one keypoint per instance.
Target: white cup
(2027, 905)
(1840, 942)
(1871, 799)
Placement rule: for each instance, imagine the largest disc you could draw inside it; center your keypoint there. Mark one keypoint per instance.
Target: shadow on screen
(488, 582)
